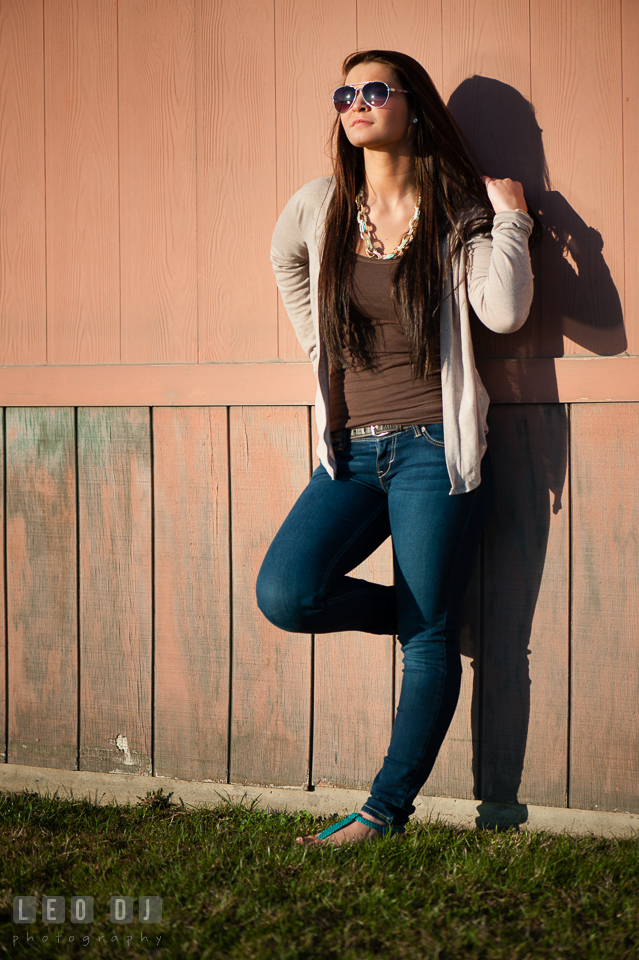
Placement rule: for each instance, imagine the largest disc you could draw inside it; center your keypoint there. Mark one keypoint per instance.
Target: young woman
(379, 267)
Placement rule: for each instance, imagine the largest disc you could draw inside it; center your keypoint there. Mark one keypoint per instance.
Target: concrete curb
(103, 788)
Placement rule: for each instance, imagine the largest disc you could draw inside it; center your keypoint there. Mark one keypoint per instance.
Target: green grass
(235, 885)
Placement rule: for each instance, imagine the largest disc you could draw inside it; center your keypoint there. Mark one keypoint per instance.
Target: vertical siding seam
(77, 587)
(153, 585)
(117, 69)
(479, 675)
(530, 85)
(311, 724)
(278, 312)
(44, 164)
(393, 668)
(231, 612)
(623, 156)
(441, 39)
(311, 715)
(393, 675)
(570, 600)
(196, 8)
(5, 586)
(538, 333)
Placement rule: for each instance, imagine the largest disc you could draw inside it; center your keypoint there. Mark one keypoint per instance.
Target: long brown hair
(454, 200)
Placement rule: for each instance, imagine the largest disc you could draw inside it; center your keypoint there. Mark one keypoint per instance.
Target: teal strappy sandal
(383, 828)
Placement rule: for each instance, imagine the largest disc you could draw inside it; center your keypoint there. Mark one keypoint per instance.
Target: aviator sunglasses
(375, 94)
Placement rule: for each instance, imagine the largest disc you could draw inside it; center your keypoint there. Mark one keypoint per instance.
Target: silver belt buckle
(382, 433)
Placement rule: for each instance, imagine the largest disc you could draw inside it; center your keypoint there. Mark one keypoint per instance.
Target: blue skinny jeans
(397, 486)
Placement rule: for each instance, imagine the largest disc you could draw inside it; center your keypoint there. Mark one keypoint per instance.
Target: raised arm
(500, 279)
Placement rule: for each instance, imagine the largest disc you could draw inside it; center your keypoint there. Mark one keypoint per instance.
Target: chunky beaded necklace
(365, 230)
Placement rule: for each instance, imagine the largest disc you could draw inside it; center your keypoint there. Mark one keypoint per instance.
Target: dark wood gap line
(570, 604)
(44, 185)
(393, 680)
(311, 722)
(5, 586)
(196, 159)
(117, 73)
(478, 680)
(153, 587)
(278, 309)
(231, 610)
(76, 435)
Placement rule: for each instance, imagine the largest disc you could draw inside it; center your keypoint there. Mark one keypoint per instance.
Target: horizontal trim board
(561, 379)
(525, 380)
(158, 385)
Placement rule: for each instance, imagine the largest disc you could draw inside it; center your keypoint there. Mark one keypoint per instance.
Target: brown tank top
(388, 393)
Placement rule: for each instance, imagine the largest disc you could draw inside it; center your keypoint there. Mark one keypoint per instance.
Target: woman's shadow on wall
(574, 296)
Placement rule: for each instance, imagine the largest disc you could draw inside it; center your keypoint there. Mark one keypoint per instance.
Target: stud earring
(415, 120)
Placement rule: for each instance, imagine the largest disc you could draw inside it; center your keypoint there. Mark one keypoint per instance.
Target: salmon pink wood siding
(157, 421)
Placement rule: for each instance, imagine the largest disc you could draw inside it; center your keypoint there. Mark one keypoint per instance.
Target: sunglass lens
(375, 93)
(343, 98)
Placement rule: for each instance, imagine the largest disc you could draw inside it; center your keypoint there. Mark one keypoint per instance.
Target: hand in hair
(505, 194)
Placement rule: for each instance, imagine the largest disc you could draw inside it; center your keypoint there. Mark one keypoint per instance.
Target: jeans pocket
(434, 433)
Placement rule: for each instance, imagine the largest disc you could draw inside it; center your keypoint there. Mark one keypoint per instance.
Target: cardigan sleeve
(500, 279)
(294, 234)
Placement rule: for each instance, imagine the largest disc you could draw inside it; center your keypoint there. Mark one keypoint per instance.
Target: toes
(308, 841)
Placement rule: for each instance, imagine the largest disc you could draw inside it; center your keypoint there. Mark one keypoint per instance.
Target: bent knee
(281, 603)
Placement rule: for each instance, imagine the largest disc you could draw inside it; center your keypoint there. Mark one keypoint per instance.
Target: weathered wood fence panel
(116, 589)
(271, 698)
(41, 555)
(526, 614)
(175, 509)
(3, 596)
(604, 740)
(192, 592)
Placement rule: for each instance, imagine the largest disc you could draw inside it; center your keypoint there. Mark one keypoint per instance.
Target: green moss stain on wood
(42, 586)
(114, 469)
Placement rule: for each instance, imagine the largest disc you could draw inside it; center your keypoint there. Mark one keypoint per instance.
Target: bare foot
(354, 832)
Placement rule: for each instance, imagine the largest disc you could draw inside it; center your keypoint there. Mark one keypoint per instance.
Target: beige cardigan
(498, 287)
